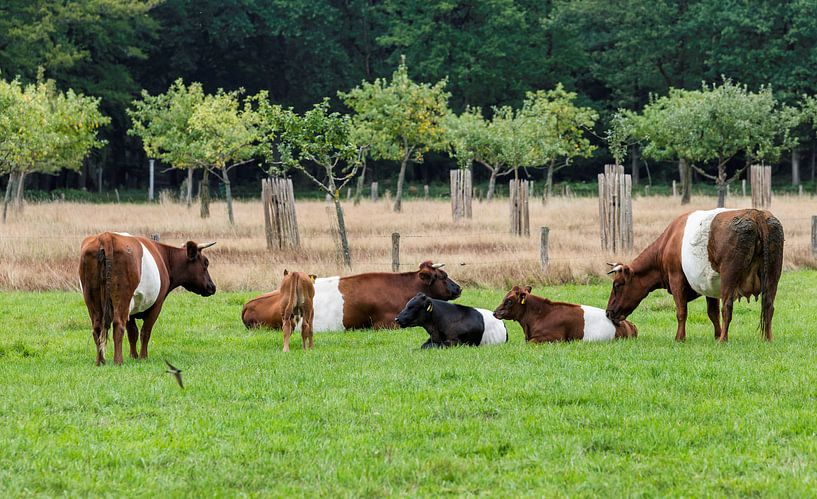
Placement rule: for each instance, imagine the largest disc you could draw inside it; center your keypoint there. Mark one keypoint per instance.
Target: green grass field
(368, 413)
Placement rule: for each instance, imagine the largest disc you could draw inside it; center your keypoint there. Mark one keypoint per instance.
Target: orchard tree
(44, 130)
(408, 117)
(161, 121)
(190, 129)
(226, 136)
(317, 137)
(472, 139)
(558, 129)
(713, 125)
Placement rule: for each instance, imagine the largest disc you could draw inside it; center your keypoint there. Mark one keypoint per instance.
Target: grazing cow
(358, 301)
(297, 292)
(124, 278)
(450, 324)
(543, 320)
(720, 254)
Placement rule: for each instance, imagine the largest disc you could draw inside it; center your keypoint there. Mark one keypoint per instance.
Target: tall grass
(39, 249)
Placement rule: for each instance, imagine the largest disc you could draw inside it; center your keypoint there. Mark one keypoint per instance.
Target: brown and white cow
(543, 320)
(360, 301)
(126, 277)
(297, 293)
(720, 254)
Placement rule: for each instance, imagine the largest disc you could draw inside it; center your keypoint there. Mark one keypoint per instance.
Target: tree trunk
(795, 167)
(634, 165)
(398, 200)
(549, 191)
(7, 199)
(204, 194)
(360, 180)
(721, 183)
(344, 242)
(686, 181)
(189, 187)
(228, 194)
(21, 186)
(492, 184)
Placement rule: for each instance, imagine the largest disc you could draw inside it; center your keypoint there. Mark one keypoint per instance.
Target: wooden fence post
(395, 252)
(761, 179)
(425, 191)
(280, 220)
(615, 209)
(461, 192)
(674, 190)
(743, 187)
(814, 236)
(543, 247)
(374, 192)
(520, 210)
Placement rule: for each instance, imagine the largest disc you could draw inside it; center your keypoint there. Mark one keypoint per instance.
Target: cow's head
(436, 282)
(627, 293)
(415, 312)
(193, 275)
(513, 305)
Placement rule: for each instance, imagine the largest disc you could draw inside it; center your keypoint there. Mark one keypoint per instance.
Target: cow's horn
(616, 268)
(438, 266)
(206, 245)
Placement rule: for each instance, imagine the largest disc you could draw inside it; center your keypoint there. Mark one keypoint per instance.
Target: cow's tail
(771, 242)
(104, 257)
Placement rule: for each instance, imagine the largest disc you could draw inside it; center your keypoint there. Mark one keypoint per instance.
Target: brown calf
(125, 278)
(297, 292)
(543, 320)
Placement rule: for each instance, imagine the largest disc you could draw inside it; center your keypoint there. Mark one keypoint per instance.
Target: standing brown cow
(720, 254)
(297, 292)
(125, 278)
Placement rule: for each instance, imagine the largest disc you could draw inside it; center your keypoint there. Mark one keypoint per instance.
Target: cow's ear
(192, 250)
(528, 289)
(313, 277)
(286, 272)
(522, 297)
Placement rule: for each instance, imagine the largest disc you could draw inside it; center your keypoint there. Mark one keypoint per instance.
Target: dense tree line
(491, 54)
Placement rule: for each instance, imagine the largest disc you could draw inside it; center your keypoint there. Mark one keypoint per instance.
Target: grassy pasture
(368, 413)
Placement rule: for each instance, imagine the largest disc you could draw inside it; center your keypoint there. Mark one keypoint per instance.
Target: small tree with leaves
(558, 129)
(44, 130)
(190, 129)
(318, 137)
(473, 139)
(407, 116)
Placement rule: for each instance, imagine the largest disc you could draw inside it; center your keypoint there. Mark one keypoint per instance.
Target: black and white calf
(450, 324)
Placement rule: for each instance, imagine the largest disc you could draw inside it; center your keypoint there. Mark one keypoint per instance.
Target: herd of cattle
(720, 254)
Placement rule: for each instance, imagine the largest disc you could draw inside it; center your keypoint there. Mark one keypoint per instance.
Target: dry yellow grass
(39, 249)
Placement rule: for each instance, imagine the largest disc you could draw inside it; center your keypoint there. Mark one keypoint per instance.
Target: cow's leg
(118, 336)
(767, 307)
(727, 296)
(133, 336)
(147, 328)
(287, 332)
(100, 345)
(680, 315)
(712, 309)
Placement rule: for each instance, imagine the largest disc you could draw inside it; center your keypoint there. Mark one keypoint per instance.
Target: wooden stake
(543, 247)
(395, 252)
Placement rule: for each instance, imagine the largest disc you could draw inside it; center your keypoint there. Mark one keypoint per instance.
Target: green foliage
(557, 125)
(45, 130)
(407, 116)
(472, 138)
(318, 136)
(368, 413)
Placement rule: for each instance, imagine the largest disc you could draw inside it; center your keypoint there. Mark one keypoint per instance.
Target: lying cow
(450, 324)
(543, 320)
(124, 278)
(297, 293)
(720, 254)
(358, 301)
